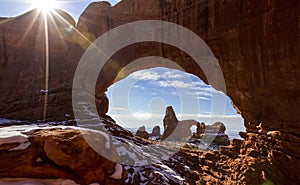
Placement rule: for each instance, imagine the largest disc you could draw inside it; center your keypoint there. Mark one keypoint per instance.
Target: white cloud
(207, 115)
(145, 75)
(148, 115)
(143, 116)
(119, 108)
(139, 86)
(174, 79)
(204, 98)
(175, 83)
(172, 74)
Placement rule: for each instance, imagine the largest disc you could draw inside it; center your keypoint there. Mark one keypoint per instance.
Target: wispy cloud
(145, 75)
(204, 98)
(148, 115)
(172, 74)
(119, 108)
(139, 87)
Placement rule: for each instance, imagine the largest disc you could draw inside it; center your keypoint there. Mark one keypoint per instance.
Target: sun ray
(81, 35)
(47, 67)
(28, 29)
(45, 6)
(53, 23)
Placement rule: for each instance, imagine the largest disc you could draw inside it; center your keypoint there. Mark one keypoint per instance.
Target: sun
(45, 5)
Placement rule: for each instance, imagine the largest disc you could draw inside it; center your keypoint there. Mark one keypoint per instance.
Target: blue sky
(141, 99)
(11, 8)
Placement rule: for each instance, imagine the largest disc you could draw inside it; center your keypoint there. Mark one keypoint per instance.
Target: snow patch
(44, 91)
(118, 172)
(5, 121)
(21, 181)
(22, 146)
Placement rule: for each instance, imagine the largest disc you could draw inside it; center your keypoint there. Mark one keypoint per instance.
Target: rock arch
(257, 45)
(249, 54)
(257, 57)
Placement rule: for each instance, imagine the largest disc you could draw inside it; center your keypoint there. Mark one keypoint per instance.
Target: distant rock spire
(170, 122)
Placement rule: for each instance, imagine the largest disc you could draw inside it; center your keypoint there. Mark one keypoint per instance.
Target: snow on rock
(143, 162)
(22, 146)
(9, 181)
(118, 172)
(4, 121)
(10, 135)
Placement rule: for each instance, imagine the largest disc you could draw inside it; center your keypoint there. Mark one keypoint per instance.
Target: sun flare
(45, 5)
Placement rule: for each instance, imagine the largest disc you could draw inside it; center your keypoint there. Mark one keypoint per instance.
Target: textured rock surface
(257, 57)
(170, 122)
(256, 43)
(214, 133)
(55, 153)
(155, 132)
(22, 66)
(22, 61)
(142, 133)
(248, 38)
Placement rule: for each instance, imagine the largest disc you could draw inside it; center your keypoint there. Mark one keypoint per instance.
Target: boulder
(218, 127)
(217, 130)
(221, 139)
(57, 152)
(142, 133)
(155, 132)
(200, 128)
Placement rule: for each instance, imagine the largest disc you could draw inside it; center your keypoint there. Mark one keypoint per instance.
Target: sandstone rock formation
(170, 122)
(155, 132)
(200, 128)
(218, 126)
(259, 60)
(214, 133)
(174, 129)
(221, 139)
(54, 153)
(142, 133)
(247, 50)
(246, 42)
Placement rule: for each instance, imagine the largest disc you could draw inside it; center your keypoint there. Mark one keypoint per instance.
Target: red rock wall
(22, 61)
(256, 44)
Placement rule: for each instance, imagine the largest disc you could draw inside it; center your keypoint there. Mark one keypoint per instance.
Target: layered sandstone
(53, 153)
(256, 44)
(257, 57)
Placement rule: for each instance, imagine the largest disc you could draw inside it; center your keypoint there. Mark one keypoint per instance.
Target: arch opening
(139, 98)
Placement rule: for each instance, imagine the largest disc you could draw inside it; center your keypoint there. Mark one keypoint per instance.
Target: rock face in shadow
(23, 66)
(22, 61)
